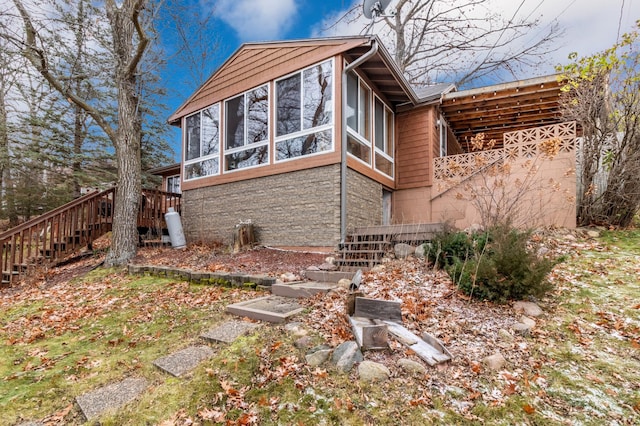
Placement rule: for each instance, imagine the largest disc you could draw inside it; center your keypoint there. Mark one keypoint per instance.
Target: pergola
(495, 110)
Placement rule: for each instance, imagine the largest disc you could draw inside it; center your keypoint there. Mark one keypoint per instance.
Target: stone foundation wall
(300, 208)
(364, 201)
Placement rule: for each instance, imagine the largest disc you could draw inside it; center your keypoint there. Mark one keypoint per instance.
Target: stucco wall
(299, 208)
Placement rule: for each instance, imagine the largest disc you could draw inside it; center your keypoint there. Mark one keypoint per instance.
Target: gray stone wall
(299, 208)
(364, 201)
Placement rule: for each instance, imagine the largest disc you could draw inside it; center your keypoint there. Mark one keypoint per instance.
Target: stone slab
(328, 276)
(229, 331)
(301, 289)
(185, 360)
(111, 397)
(270, 308)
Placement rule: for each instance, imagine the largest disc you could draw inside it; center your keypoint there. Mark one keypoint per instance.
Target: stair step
(361, 252)
(328, 276)
(5, 283)
(301, 288)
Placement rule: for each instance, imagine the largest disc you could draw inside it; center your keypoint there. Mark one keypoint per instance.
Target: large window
(202, 143)
(383, 138)
(369, 126)
(304, 112)
(247, 129)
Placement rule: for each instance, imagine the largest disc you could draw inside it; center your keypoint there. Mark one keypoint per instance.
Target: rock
(378, 268)
(421, 250)
(313, 268)
(593, 234)
(327, 267)
(403, 250)
(521, 329)
(304, 342)
(528, 321)
(344, 283)
(318, 355)
(411, 366)
(505, 335)
(346, 355)
(494, 362)
(530, 309)
(296, 329)
(288, 277)
(570, 237)
(330, 260)
(370, 371)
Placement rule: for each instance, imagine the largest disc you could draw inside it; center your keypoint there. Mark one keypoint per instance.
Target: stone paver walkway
(112, 397)
(229, 331)
(181, 362)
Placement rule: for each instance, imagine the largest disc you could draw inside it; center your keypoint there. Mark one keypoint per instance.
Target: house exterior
(311, 139)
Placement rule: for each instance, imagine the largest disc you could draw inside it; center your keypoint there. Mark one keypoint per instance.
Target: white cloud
(257, 20)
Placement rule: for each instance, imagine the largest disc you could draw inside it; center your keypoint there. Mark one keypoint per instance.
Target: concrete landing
(229, 331)
(111, 397)
(269, 308)
(301, 289)
(183, 361)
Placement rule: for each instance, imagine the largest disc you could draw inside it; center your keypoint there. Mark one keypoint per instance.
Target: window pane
(390, 125)
(247, 158)
(379, 125)
(304, 145)
(210, 130)
(173, 184)
(193, 137)
(203, 168)
(235, 122)
(384, 165)
(364, 114)
(352, 100)
(257, 115)
(317, 95)
(288, 105)
(358, 149)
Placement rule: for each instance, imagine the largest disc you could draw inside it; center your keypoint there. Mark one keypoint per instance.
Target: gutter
(343, 145)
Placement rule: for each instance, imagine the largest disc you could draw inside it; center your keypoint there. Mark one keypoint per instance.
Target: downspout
(343, 145)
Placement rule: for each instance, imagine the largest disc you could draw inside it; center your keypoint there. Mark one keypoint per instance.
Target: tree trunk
(124, 238)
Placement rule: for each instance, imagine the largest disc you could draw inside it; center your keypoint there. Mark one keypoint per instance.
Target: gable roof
(256, 63)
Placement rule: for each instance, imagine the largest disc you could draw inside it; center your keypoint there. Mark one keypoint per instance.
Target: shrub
(448, 246)
(499, 266)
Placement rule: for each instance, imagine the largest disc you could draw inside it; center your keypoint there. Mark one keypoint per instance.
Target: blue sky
(590, 26)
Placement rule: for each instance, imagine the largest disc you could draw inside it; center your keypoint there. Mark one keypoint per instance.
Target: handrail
(52, 213)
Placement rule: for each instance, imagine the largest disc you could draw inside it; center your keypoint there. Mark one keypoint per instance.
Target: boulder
(411, 366)
(494, 362)
(530, 309)
(296, 329)
(528, 321)
(403, 250)
(318, 355)
(344, 283)
(346, 355)
(370, 371)
(303, 342)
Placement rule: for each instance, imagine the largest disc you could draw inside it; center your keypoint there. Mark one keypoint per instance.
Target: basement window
(304, 112)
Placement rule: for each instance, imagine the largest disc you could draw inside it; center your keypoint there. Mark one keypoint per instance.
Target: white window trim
(304, 132)
(385, 132)
(206, 157)
(222, 166)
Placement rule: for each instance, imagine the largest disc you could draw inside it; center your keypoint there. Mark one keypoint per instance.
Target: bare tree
(129, 42)
(464, 40)
(603, 95)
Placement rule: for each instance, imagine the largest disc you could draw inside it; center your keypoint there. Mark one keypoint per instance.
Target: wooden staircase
(365, 247)
(58, 233)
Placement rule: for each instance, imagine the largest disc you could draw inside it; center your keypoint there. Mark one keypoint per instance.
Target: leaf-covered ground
(72, 330)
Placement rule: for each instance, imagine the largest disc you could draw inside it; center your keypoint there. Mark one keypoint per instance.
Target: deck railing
(65, 229)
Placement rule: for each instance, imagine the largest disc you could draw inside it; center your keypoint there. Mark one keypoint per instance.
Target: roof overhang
(383, 72)
(498, 109)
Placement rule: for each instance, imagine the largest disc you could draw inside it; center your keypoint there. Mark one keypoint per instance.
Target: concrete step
(302, 288)
(271, 308)
(328, 276)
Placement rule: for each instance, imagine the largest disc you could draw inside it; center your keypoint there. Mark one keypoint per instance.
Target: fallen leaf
(528, 409)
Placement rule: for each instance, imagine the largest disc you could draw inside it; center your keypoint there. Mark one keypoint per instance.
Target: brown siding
(257, 64)
(300, 208)
(417, 140)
